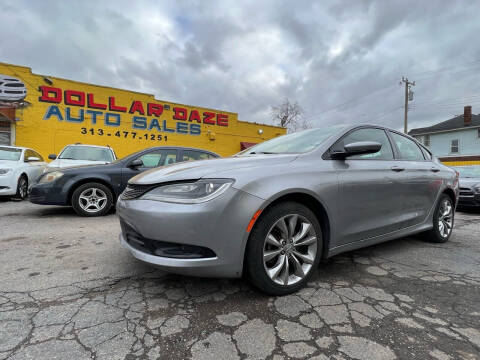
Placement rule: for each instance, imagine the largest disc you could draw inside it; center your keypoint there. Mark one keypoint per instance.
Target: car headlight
(189, 192)
(476, 188)
(51, 176)
(5, 171)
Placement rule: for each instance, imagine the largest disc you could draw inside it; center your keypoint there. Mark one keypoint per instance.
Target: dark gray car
(275, 210)
(469, 186)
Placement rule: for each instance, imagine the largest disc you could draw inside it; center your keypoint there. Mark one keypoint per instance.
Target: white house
(453, 141)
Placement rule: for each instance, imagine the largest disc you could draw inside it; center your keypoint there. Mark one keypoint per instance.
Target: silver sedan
(274, 211)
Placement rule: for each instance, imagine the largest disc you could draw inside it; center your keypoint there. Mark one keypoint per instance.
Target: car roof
(181, 148)
(97, 146)
(15, 147)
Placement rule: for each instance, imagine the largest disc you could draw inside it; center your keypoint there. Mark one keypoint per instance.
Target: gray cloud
(247, 56)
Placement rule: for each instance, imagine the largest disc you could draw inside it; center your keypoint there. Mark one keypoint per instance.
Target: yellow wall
(51, 135)
(461, 163)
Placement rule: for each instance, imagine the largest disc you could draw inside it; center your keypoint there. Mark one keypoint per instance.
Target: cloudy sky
(340, 60)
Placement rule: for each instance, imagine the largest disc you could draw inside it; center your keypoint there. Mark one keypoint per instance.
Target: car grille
(133, 191)
(466, 191)
(163, 248)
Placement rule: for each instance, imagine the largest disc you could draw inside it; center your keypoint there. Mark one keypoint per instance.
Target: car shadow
(474, 211)
(62, 212)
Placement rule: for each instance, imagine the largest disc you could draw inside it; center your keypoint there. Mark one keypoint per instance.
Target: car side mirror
(52, 156)
(357, 148)
(136, 163)
(33, 158)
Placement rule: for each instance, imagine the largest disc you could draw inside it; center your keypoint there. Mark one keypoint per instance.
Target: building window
(426, 140)
(454, 146)
(5, 133)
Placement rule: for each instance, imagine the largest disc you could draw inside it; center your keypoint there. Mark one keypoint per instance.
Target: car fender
(72, 183)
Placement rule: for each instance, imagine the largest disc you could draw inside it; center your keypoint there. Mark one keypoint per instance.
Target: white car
(11, 88)
(79, 154)
(19, 167)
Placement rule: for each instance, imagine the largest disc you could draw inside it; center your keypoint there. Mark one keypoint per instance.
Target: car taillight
(457, 175)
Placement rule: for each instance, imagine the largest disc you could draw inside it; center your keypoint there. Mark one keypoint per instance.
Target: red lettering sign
(180, 113)
(76, 98)
(209, 118)
(194, 116)
(222, 119)
(50, 94)
(92, 104)
(154, 109)
(113, 107)
(137, 107)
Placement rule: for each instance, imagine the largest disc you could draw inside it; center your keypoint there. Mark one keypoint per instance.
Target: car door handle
(434, 169)
(397, 168)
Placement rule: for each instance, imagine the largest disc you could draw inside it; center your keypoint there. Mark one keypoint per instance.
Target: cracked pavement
(69, 291)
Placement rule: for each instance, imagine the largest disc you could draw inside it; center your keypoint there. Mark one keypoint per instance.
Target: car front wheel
(442, 221)
(92, 199)
(284, 248)
(22, 188)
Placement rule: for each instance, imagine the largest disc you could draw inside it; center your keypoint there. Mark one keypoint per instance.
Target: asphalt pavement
(68, 290)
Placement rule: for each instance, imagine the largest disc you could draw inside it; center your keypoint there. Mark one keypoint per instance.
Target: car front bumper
(218, 225)
(8, 184)
(469, 200)
(47, 194)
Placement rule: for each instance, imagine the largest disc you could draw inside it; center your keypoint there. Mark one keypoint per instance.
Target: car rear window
(89, 153)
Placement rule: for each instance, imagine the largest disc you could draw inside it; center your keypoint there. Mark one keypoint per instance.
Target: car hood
(468, 182)
(209, 168)
(63, 163)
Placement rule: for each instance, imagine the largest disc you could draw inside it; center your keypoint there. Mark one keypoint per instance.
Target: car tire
(274, 264)
(443, 220)
(22, 188)
(92, 199)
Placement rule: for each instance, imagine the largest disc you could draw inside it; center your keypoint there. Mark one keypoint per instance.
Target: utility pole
(408, 84)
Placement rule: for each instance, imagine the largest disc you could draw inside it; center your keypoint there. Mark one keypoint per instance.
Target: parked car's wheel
(22, 188)
(284, 248)
(92, 199)
(442, 221)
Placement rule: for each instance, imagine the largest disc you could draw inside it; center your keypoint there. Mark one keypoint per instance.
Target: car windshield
(89, 153)
(300, 142)
(472, 171)
(10, 154)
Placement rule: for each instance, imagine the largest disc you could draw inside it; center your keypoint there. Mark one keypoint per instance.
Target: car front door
(418, 181)
(368, 199)
(150, 160)
(33, 168)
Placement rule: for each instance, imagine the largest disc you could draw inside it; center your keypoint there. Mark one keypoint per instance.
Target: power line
(351, 101)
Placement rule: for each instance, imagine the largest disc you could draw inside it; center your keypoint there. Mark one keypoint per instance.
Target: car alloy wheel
(92, 200)
(290, 249)
(445, 218)
(22, 188)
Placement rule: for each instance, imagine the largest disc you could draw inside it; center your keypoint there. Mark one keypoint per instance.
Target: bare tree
(290, 115)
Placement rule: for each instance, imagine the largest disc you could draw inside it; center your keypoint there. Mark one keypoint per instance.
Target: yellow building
(46, 113)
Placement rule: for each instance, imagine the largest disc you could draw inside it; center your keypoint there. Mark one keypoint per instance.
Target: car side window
(159, 158)
(29, 153)
(368, 134)
(407, 148)
(37, 155)
(192, 155)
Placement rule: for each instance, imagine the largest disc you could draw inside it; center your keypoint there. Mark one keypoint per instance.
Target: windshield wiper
(262, 152)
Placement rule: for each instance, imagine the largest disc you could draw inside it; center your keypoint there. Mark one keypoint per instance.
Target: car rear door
(418, 180)
(368, 201)
(151, 159)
